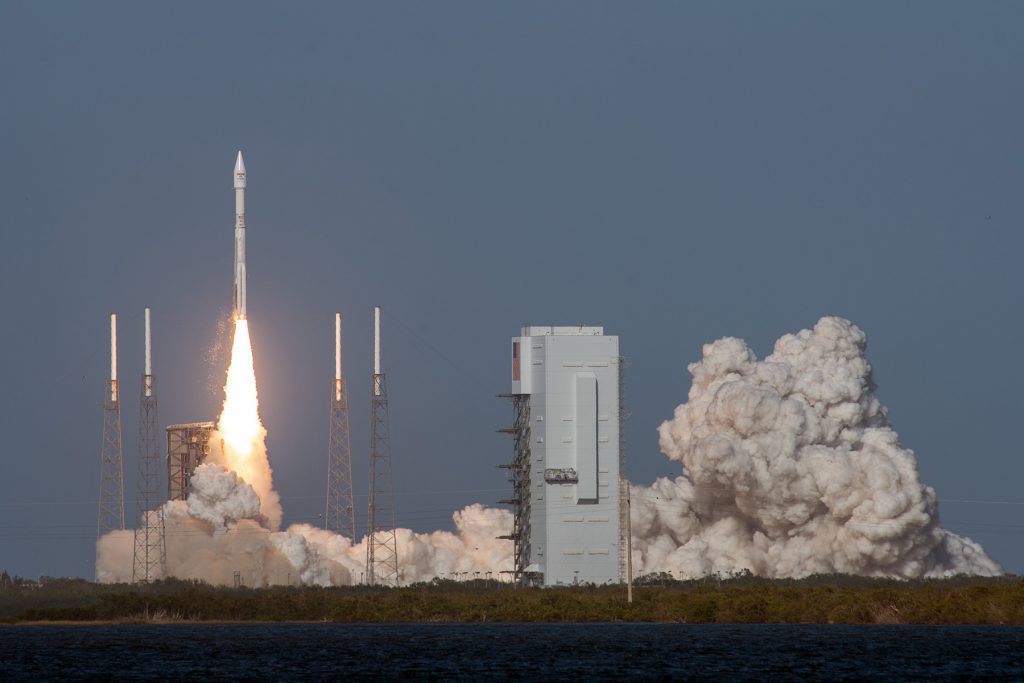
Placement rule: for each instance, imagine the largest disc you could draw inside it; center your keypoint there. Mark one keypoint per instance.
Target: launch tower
(150, 559)
(111, 505)
(381, 545)
(340, 514)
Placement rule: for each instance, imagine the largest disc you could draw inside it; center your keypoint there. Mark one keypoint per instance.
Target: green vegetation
(742, 599)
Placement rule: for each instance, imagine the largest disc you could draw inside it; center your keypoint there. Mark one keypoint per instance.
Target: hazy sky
(673, 171)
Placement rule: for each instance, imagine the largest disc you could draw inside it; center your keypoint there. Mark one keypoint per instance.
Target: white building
(567, 468)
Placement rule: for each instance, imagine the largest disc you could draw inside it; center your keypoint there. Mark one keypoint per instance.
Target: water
(513, 651)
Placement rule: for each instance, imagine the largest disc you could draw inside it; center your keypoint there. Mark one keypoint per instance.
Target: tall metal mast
(150, 560)
(110, 515)
(340, 516)
(382, 545)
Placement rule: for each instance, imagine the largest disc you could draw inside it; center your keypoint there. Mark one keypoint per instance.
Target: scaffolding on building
(188, 446)
(340, 514)
(519, 475)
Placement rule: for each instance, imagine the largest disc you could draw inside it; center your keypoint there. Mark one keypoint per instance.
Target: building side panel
(533, 369)
(585, 441)
(574, 475)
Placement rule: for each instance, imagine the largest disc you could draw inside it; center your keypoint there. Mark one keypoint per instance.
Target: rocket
(238, 302)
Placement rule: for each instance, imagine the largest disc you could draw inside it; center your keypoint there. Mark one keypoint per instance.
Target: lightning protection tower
(382, 545)
(340, 516)
(150, 551)
(111, 505)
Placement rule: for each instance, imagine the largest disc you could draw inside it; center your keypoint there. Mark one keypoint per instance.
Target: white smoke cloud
(254, 468)
(115, 556)
(792, 469)
(220, 497)
(220, 530)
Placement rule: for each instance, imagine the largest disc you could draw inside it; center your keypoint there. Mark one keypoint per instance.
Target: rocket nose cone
(239, 172)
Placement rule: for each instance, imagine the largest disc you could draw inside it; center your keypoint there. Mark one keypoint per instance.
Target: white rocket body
(238, 304)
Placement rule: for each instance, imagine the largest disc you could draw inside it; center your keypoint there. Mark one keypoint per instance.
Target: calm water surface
(512, 651)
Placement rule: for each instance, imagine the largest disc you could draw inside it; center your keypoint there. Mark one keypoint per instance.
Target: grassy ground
(817, 600)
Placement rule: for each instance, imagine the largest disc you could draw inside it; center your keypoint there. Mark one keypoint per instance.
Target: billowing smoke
(220, 498)
(220, 531)
(792, 469)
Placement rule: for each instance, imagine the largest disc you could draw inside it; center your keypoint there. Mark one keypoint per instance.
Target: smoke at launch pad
(791, 468)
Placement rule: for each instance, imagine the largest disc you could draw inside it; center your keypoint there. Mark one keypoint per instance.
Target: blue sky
(675, 172)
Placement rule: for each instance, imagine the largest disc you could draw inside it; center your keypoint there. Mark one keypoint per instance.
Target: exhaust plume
(239, 442)
(792, 469)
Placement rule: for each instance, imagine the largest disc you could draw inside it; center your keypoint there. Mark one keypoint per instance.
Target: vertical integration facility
(570, 524)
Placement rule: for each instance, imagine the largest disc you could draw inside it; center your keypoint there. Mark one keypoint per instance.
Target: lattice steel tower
(340, 516)
(150, 560)
(111, 506)
(381, 546)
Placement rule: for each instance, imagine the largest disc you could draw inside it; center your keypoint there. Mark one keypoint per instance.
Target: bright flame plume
(239, 423)
(241, 446)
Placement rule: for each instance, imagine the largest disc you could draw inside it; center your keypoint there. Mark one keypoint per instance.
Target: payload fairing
(238, 302)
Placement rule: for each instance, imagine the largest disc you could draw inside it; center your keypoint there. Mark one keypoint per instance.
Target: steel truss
(340, 516)
(519, 475)
(150, 560)
(110, 516)
(382, 544)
